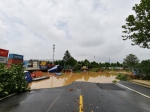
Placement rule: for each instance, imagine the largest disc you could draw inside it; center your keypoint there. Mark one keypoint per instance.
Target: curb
(141, 84)
(7, 96)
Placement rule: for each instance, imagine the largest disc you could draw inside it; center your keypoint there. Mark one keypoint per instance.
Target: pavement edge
(141, 84)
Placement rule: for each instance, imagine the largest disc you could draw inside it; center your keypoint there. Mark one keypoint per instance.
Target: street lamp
(53, 52)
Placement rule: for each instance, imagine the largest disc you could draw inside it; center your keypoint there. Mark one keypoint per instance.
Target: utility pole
(109, 63)
(53, 52)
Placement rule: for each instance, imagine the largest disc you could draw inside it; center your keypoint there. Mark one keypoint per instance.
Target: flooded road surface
(68, 78)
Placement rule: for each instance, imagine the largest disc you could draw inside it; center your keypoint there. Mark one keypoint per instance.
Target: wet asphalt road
(96, 98)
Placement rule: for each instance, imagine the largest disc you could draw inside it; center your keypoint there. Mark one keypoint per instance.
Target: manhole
(108, 86)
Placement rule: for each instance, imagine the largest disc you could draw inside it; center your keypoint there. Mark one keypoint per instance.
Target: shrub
(145, 69)
(77, 71)
(122, 77)
(12, 80)
(94, 69)
(77, 67)
(114, 81)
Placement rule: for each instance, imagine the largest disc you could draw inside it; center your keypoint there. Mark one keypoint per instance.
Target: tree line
(130, 63)
(140, 69)
(70, 61)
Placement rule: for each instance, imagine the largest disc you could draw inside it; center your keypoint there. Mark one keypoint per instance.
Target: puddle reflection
(68, 78)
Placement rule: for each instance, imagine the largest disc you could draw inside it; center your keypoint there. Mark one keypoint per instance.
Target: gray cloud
(85, 28)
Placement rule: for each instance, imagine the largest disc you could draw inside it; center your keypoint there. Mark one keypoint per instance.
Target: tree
(94, 64)
(67, 56)
(100, 64)
(131, 61)
(124, 66)
(137, 26)
(103, 64)
(77, 66)
(107, 64)
(60, 62)
(68, 59)
(113, 65)
(56, 62)
(86, 63)
(72, 61)
(118, 64)
(145, 69)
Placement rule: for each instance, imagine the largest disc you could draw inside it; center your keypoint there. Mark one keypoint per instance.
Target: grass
(114, 81)
(123, 77)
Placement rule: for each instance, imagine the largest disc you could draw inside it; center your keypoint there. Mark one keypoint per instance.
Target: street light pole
(53, 52)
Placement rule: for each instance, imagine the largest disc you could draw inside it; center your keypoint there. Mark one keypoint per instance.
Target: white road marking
(55, 99)
(134, 90)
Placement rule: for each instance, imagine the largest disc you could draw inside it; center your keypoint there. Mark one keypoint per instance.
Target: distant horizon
(61, 59)
(109, 59)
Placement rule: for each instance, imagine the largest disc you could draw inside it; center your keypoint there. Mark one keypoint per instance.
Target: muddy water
(68, 78)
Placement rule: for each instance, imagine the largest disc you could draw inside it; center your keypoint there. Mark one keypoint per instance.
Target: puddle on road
(68, 78)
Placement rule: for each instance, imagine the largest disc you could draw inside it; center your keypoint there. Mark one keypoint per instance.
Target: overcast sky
(86, 28)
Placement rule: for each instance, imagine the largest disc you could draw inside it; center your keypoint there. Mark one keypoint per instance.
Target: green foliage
(77, 67)
(81, 62)
(86, 63)
(67, 56)
(68, 67)
(60, 62)
(93, 65)
(94, 69)
(114, 81)
(113, 65)
(143, 69)
(78, 71)
(100, 65)
(118, 64)
(137, 26)
(122, 77)
(49, 62)
(107, 64)
(130, 61)
(68, 59)
(12, 80)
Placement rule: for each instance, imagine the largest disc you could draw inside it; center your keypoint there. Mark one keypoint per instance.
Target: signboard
(16, 56)
(3, 59)
(3, 52)
(43, 63)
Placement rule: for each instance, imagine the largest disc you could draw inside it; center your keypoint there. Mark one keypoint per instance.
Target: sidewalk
(145, 83)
